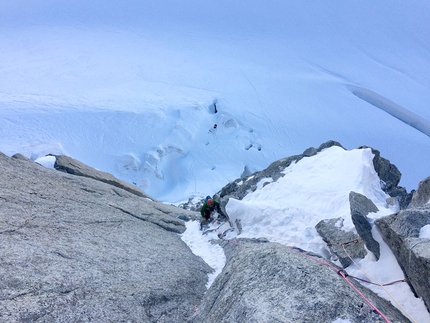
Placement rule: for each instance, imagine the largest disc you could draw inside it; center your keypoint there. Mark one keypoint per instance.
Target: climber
(208, 208)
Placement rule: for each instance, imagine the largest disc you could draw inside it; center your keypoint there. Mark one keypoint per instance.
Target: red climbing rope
(369, 282)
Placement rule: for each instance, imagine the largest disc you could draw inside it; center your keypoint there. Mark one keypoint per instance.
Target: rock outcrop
(72, 166)
(268, 282)
(401, 232)
(390, 178)
(422, 195)
(75, 249)
(360, 207)
(332, 232)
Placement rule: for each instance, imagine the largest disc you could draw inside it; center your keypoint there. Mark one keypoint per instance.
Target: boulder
(74, 249)
(360, 206)
(422, 195)
(269, 282)
(401, 232)
(332, 232)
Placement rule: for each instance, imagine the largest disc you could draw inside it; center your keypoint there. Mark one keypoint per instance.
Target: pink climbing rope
(340, 273)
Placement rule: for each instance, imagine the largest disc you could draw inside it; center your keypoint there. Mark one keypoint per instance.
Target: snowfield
(130, 88)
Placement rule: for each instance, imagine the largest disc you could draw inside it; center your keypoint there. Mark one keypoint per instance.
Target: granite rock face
(75, 249)
(267, 282)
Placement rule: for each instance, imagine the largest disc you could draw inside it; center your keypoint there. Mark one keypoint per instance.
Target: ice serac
(75, 249)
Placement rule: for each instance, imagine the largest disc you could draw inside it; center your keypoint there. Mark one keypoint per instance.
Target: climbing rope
(370, 282)
(376, 282)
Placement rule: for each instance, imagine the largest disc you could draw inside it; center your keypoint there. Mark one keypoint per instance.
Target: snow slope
(128, 87)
